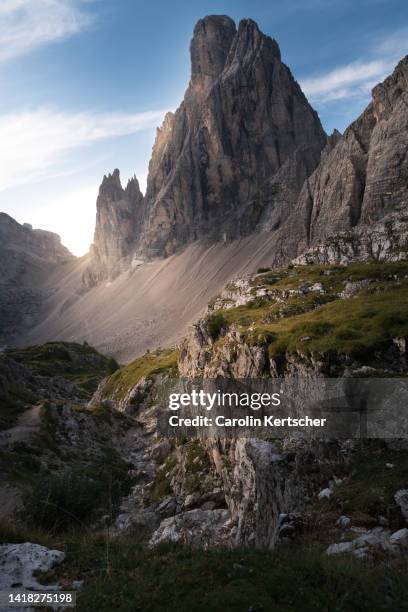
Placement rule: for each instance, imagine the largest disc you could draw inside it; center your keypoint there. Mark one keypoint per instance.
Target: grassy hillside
(20, 387)
(78, 363)
(125, 378)
(303, 309)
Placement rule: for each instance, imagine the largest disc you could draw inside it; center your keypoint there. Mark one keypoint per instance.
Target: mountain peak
(133, 188)
(250, 42)
(114, 176)
(209, 47)
(111, 186)
(388, 93)
(231, 159)
(119, 213)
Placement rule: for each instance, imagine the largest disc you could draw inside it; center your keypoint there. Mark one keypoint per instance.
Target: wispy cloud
(357, 78)
(34, 144)
(28, 24)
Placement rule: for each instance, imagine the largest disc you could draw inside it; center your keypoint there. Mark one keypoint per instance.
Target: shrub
(112, 365)
(215, 324)
(61, 500)
(79, 495)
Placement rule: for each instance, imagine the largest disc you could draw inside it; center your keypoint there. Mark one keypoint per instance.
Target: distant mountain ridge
(27, 256)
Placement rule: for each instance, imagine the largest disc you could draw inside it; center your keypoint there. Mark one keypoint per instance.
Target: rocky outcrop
(234, 358)
(200, 528)
(119, 215)
(371, 542)
(263, 484)
(363, 178)
(401, 497)
(386, 240)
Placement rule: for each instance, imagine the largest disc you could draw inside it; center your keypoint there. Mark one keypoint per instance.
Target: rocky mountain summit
(246, 153)
(118, 220)
(236, 152)
(231, 159)
(23, 240)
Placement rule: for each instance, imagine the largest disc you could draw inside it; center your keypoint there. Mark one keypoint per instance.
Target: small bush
(161, 486)
(215, 324)
(78, 496)
(112, 365)
(63, 500)
(263, 270)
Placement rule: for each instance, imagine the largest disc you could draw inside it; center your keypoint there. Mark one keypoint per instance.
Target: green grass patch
(177, 577)
(122, 574)
(371, 485)
(215, 324)
(357, 326)
(124, 379)
(19, 465)
(161, 486)
(77, 496)
(13, 402)
(332, 277)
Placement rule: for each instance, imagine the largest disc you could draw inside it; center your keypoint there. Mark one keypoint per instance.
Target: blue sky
(85, 82)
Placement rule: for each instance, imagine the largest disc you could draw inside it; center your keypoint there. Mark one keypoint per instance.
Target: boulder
(19, 563)
(200, 528)
(401, 497)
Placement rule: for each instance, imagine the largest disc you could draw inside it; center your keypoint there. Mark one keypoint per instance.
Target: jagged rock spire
(119, 214)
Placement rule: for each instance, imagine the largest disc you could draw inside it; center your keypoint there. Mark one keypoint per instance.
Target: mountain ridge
(27, 257)
(340, 200)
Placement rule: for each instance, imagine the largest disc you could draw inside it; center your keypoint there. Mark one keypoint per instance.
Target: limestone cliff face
(364, 177)
(385, 240)
(236, 152)
(118, 221)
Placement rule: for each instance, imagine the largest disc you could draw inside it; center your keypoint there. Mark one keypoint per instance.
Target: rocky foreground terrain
(86, 474)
